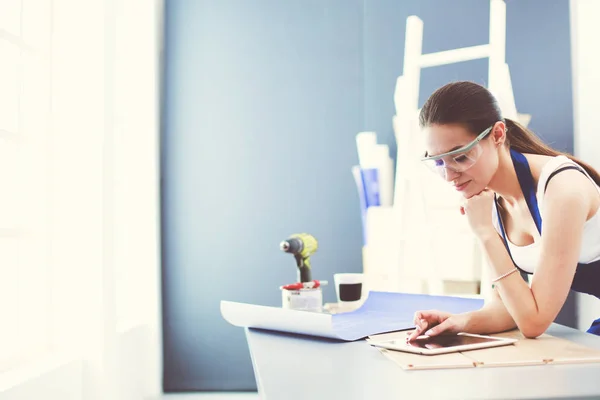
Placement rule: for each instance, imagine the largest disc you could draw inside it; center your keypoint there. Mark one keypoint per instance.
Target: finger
(439, 329)
(416, 332)
(420, 327)
(420, 321)
(484, 193)
(432, 316)
(417, 317)
(413, 335)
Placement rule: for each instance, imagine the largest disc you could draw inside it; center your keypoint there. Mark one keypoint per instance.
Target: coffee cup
(348, 287)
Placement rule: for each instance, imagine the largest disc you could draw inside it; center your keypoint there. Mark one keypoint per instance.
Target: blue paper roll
(367, 185)
(370, 178)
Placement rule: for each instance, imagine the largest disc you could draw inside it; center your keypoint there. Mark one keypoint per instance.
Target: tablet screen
(445, 341)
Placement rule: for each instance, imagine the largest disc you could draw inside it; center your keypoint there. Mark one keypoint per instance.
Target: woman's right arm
(493, 317)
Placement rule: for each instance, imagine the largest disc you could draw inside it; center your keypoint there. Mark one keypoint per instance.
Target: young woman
(533, 209)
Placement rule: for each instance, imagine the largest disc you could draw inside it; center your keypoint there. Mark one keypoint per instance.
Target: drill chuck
(292, 245)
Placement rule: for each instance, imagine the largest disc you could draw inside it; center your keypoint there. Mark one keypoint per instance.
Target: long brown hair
(475, 108)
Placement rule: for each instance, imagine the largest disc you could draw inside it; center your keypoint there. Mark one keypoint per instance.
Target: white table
(292, 367)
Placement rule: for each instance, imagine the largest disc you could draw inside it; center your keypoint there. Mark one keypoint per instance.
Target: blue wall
(538, 50)
(262, 102)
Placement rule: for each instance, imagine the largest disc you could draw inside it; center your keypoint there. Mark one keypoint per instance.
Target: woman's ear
(499, 133)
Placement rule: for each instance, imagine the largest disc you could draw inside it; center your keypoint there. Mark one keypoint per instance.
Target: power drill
(302, 246)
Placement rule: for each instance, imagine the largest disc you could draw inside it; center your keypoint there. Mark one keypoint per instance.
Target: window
(78, 176)
(25, 89)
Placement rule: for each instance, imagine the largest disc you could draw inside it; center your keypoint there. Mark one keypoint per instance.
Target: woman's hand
(478, 210)
(434, 322)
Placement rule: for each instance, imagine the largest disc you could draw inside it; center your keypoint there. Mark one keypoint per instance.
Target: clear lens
(459, 162)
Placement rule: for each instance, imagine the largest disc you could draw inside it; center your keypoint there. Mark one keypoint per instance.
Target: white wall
(585, 32)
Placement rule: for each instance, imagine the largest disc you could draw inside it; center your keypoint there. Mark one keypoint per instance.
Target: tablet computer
(442, 343)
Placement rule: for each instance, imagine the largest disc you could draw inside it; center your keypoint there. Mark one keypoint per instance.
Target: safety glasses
(458, 160)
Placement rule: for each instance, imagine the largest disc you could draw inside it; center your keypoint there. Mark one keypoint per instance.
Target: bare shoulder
(570, 187)
(537, 162)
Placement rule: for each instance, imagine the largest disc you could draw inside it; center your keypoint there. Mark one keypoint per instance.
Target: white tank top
(527, 257)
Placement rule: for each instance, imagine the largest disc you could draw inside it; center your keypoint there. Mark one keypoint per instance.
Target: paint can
(302, 299)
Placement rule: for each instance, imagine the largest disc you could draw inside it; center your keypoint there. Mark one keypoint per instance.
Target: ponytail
(525, 141)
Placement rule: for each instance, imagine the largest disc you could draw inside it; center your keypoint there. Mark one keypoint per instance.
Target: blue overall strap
(528, 188)
(595, 328)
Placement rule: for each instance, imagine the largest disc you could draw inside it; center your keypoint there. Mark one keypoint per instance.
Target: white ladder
(408, 189)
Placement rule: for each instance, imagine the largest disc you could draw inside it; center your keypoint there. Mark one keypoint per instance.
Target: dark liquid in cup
(350, 291)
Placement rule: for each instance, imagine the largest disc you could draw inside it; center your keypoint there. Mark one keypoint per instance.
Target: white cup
(349, 287)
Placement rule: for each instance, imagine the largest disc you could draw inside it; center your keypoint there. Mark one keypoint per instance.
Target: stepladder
(445, 258)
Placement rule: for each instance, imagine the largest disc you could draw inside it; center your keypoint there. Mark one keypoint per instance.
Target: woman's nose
(451, 175)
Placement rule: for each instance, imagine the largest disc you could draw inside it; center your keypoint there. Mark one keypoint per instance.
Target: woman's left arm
(566, 206)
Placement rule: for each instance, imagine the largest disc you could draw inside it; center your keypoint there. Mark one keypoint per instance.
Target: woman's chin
(471, 191)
